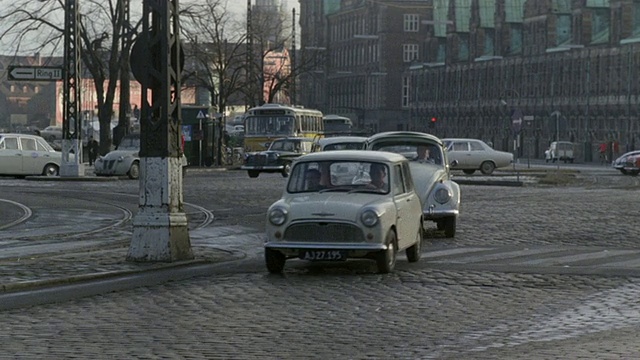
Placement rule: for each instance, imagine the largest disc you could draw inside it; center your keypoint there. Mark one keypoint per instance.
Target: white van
(560, 151)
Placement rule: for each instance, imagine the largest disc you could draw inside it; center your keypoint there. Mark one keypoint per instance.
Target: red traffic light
(434, 119)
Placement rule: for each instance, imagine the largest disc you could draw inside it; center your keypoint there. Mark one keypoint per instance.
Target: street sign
(34, 73)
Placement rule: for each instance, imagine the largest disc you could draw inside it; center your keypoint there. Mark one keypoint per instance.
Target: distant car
(125, 159)
(628, 163)
(51, 133)
(560, 151)
(342, 143)
(440, 196)
(278, 157)
(237, 130)
(25, 154)
(473, 154)
(326, 216)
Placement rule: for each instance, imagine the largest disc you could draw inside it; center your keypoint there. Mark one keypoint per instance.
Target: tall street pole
(160, 228)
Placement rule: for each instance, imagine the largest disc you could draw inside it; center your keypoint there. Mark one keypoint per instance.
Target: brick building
(518, 73)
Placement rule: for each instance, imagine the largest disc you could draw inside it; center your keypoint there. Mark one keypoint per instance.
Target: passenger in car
(378, 175)
(312, 178)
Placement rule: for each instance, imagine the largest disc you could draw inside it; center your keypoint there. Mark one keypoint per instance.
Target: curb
(489, 182)
(85, 278)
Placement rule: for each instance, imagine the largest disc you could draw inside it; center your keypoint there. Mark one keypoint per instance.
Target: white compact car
(345, 204)
(125, 159)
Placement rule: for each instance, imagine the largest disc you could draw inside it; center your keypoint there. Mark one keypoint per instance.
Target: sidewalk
(26, 270)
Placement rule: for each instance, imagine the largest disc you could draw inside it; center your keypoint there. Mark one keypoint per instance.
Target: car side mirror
(454, 163)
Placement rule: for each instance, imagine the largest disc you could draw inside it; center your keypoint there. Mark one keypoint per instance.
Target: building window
(442, 51)
(489, 48)
(463, 48)
(409, 52)
(563, 30)
(411, 22)
(636, 19)
(515, 40)
(600, 26)
(405, 91)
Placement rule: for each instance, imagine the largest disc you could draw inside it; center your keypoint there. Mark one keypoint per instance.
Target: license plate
(323, 255)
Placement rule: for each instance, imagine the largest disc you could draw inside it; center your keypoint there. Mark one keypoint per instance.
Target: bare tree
(216, 51)
(38, 26)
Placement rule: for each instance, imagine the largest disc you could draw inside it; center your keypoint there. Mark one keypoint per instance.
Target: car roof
(20, 134)
(404, 135)
(341, 139)
(354, 155)
(461, 139)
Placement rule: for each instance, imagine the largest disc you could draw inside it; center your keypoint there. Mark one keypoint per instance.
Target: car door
(477, 154)
(10, 156)
(32, 160)
(408, 206)
(460, 151)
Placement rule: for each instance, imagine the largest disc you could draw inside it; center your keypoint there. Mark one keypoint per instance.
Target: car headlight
(369, 218)
(277, 217)
(442, 195)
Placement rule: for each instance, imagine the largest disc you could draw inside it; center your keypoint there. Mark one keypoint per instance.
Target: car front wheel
(134, 171)
(275, 261)
(286, 170)
(253, 173)
(468, 171)
(450, 227)
(415, 252)
(386, 259)
(487, 168)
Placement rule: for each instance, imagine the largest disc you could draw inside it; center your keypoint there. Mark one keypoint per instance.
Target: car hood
(425, 176)
(118, 153)
(331, 205)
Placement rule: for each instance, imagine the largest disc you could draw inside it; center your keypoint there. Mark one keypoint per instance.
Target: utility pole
(293, 60)
(160, 228)
(72, 162)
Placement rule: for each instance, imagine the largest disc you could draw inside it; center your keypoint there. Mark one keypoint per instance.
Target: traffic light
(432, 123)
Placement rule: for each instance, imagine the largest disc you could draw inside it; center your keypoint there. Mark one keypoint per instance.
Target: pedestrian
(94, 148)
(603, 152)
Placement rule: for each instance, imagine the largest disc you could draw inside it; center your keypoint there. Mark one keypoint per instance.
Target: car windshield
(339, 176)
(129, 143)
(344, 146)
(285, 145)
(420, 152)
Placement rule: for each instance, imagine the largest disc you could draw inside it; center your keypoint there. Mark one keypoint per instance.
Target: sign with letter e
(34, 73)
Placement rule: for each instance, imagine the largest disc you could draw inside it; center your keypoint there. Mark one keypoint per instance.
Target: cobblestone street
(544, 271)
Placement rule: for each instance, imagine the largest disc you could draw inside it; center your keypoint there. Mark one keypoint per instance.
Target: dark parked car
(278, 157)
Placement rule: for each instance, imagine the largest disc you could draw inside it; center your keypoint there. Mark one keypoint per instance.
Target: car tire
(275, 261)
(487, 167)
(450, 227)
(414, 252)
(623, 171)
(253, 173)
(51, 170)
(469, 171)
(286, 170)
(134, 171)
(386, 259)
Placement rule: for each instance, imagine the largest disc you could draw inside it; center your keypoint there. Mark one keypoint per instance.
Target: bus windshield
(269, 125)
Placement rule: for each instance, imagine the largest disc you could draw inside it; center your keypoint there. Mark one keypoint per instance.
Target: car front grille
(107, 164)
(324, 232)
(257, 160)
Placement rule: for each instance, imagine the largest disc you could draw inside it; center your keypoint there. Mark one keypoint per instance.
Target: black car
(278, 157)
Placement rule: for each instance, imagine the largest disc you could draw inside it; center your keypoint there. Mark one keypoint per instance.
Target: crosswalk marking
(540, 256)
(563, 260)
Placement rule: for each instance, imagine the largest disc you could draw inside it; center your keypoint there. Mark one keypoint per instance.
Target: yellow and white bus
(268, 122)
